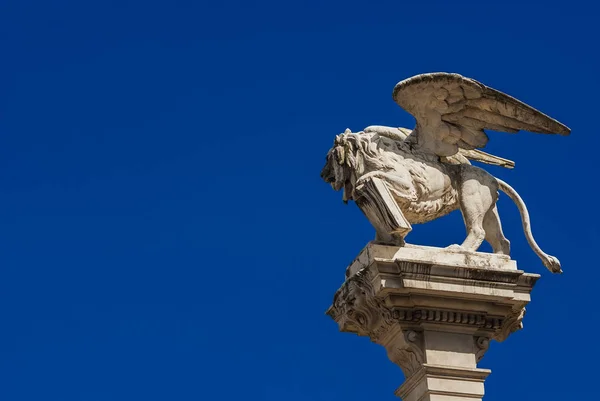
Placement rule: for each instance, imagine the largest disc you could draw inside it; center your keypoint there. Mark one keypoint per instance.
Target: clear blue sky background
(165, 235)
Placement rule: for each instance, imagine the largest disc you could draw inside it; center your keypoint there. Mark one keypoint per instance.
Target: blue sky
(165, 235)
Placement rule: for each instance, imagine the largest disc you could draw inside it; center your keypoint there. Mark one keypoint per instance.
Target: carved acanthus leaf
(356, 309)
(407, 354)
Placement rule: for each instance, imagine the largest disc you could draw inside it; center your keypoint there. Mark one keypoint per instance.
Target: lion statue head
(352, 155)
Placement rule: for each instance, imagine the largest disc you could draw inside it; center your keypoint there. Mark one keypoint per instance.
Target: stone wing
(452, 112)
(400, 134)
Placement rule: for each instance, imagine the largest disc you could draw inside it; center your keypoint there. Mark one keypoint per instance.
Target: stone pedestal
(435, 311)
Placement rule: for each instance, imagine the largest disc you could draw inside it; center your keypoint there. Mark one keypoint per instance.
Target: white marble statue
(400, 177)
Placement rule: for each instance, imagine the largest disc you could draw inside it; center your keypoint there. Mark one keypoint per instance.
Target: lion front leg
(376, 202)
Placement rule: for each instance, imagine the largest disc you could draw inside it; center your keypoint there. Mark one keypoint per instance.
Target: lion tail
(552, 263)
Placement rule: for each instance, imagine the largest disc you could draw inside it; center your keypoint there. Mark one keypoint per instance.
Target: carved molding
(482, 343)
(448, 316)
(511, 324)
(357, 309)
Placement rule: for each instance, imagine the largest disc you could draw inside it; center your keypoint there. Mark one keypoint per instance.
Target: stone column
(435, 311)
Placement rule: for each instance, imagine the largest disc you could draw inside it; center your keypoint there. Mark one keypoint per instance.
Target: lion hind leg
(493, 232)
(477, 196)
(474, 224)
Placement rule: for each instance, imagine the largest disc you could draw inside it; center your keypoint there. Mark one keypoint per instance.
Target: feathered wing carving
(400, 134)
(452, 113)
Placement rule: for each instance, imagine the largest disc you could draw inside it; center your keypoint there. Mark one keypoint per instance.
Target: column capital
(432, 308)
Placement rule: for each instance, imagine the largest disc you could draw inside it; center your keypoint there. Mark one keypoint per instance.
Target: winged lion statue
(399, 177)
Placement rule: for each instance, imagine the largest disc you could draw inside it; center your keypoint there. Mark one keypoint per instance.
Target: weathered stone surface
(435, 312)
(424, 254)
(400, 177)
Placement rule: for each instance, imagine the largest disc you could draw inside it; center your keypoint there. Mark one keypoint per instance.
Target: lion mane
(356, 154)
